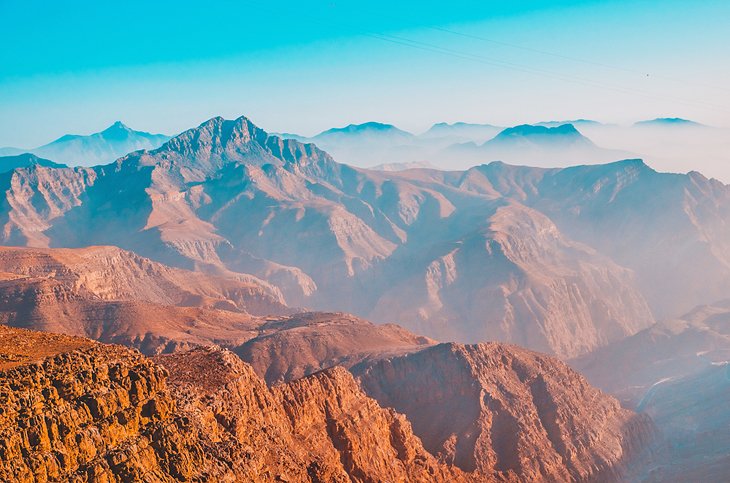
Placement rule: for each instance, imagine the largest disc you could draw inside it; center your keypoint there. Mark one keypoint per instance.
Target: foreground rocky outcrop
(75, 410)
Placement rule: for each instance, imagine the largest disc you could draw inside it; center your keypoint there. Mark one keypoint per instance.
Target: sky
(305, 66)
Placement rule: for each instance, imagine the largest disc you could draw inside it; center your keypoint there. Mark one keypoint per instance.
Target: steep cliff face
(507, 412)
(321, 427)
(514, 265)
(75, 410)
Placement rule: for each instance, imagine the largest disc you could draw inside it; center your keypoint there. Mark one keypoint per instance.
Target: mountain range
(243, 260)
(460, 144)
(535, 145)
(558, 260)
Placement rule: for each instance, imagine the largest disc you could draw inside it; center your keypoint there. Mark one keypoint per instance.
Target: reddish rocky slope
(82, 411)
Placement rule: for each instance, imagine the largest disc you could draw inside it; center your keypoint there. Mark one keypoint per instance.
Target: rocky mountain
(507, 411)
(676, 373)
(116, 296)
(98, 148)
(485, 408)
(77, 410)
(74, 410)
(26, 160)
(516, 263)
(289, 348)
(668, 350)
(559, 260)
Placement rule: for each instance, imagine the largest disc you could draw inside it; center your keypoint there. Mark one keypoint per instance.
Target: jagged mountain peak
(117, 126)
(201, 151)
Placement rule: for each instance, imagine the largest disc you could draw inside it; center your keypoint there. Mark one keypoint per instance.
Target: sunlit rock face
(77, 410)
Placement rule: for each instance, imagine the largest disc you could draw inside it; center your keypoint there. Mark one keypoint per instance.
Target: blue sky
(164, 66)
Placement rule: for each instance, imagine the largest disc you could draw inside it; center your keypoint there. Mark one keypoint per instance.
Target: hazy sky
(303, 66)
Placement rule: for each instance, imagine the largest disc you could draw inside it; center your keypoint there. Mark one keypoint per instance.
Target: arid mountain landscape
(364, 242)
(575, 251)
(106, 412)
(223, 254)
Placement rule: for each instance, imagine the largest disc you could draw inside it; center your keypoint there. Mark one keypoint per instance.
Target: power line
(510, 65)
(400, 40)
(557, 55)
(574, 59)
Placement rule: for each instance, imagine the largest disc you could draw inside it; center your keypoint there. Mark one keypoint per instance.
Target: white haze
(666, 148)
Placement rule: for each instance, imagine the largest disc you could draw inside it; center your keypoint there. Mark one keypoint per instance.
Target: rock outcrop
(75, 410)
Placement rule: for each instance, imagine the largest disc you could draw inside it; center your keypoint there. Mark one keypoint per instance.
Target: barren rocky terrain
(84, 411)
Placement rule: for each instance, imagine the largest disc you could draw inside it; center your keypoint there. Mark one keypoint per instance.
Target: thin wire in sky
(435, 48)
(557, 55)
(541, 72)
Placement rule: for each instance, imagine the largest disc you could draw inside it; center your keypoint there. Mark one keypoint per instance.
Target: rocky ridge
(500, 410)
(83, 411)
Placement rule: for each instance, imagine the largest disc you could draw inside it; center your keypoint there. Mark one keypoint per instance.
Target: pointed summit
(203, 150)
(117, 131)
(118, 125)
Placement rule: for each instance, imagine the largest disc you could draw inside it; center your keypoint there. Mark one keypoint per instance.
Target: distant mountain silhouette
(668, 121)
(535, 145)
(99, 148)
